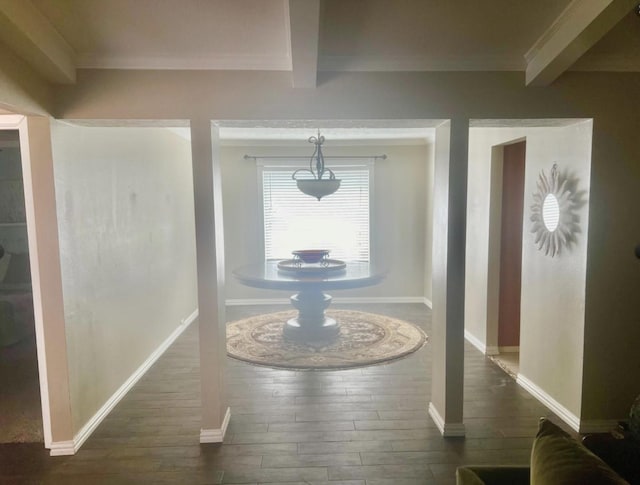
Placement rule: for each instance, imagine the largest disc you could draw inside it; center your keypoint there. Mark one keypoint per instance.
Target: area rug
(365, 339)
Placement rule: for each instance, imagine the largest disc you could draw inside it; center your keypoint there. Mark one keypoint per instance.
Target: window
(339, 222)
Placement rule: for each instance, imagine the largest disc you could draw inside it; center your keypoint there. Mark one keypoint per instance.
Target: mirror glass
(550, 212)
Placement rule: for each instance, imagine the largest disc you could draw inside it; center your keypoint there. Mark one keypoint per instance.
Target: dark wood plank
(353, 427)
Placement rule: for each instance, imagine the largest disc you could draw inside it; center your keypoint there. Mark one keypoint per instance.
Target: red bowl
(311, 255)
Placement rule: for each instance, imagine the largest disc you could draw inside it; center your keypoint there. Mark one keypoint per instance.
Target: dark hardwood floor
(363, 426)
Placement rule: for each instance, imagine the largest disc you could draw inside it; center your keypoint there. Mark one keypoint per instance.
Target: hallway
(366, 426)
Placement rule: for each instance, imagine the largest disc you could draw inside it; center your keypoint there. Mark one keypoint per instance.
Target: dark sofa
(556, 459)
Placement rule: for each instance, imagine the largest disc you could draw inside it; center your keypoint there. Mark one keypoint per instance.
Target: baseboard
(62, 448)
(562, 412)
(71, 447)
(448, 430)
(473, 340)
(356, 300)
(427, 302)
(509, 349)
(216, 435)
(256, 301)
(492, 350)
(380, 299)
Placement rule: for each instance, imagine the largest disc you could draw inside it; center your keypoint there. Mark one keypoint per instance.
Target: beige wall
(612, 328)
(398, 215)
(553, 289)
(611, 99)
(126, 224)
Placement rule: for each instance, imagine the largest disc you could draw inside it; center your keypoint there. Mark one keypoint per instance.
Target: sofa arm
(493, 475)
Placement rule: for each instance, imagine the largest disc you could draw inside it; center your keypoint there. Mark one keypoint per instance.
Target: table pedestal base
(311, 326)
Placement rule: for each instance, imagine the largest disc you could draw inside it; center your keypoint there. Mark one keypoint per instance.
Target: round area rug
(365, 339)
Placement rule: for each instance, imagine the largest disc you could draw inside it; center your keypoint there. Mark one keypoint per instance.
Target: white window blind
(339, 222)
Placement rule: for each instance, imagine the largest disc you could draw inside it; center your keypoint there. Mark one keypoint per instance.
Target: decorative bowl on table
(311, 256)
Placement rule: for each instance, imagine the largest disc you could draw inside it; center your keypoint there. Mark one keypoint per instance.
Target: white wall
(553, 289)
(127, 246)
(398, 221)
(611, 99)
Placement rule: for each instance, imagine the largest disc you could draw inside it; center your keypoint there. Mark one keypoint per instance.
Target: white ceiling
(336, 133)
(432, 35)
(57, 37)
(333, 35)
(251, 34)
(543, 38)
(173, 34)
(351, 132)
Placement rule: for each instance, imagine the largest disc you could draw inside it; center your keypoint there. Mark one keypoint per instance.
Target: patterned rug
(365, 339)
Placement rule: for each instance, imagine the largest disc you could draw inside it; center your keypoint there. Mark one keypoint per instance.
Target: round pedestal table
(311, 325)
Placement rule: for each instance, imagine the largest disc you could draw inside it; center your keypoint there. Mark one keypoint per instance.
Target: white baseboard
(256, 301)
(216, 435)
(356, 300)
(448, 430)
(427, 302)
(380, 299)
(562, 412)
(71, 447)
(473, 340)
(62, 448)
(492, 350)
(509, 349)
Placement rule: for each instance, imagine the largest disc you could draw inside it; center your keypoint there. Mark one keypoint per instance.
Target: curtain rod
(304, 157)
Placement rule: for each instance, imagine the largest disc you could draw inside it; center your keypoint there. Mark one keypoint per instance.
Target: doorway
(20, 403)
(511, 224)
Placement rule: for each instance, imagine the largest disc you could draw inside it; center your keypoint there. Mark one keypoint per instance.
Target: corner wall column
(205, 152)
(449, 235)
(46, 278)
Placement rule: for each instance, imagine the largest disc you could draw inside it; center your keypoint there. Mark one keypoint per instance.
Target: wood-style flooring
(366, 426)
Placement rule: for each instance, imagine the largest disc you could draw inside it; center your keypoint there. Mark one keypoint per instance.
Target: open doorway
(20, 403)
(511, 223)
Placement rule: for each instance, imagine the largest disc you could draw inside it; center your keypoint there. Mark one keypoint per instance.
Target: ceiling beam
(30, 34)
(574, 32)
(304, 30)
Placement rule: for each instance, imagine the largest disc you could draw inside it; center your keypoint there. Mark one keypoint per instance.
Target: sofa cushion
(556, 458)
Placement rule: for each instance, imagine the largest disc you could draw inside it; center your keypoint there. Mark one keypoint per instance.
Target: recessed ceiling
(254, 34)
(432, 35)
(544, 38)
(173, 34)
(618, 50)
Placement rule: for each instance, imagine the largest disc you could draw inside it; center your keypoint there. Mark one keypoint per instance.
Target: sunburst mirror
(553, 213)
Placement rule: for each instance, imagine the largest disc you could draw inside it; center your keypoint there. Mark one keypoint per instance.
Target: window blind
(339, 222)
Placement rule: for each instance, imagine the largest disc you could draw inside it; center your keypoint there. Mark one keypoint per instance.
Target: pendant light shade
(318, 188)
(324, 181)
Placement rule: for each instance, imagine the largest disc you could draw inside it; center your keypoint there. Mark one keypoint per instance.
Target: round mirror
(550, 212)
